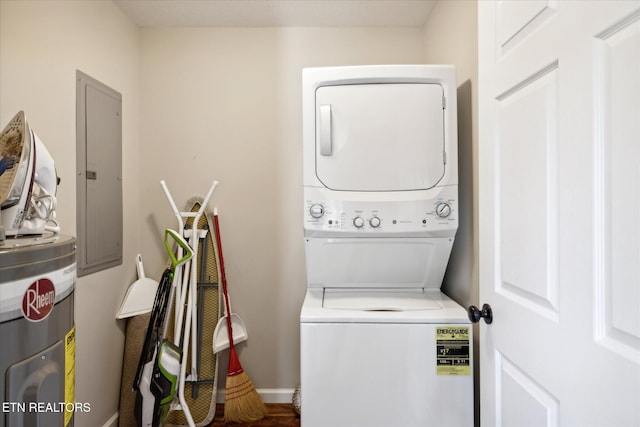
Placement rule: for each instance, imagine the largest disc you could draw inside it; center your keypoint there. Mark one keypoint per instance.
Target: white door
(559, 206)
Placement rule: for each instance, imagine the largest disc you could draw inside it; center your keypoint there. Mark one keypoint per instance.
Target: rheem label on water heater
(452, 350)
(38, 300)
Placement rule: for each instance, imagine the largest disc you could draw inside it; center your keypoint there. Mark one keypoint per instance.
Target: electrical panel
(99, 175)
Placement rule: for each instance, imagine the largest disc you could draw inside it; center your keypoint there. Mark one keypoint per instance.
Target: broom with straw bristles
(242, 403)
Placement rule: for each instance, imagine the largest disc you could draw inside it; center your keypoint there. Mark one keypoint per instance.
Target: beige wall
(41, 46)
(225, 104)
(450, 36)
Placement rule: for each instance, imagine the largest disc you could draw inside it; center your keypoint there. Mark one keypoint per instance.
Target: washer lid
(380, 300)
(313, 311)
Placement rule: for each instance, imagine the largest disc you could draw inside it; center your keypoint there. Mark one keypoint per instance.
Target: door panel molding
(517, 20)
(523, 398)
(526, 205)
(616, 211)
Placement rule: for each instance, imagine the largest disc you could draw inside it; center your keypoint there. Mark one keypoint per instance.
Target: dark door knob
(475, 314)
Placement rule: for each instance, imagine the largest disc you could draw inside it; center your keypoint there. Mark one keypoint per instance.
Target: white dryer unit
(380, 344)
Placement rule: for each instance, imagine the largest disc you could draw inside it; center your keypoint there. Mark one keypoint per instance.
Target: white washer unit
(380, 344)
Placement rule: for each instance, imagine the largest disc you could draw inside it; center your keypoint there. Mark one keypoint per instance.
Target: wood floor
(280, 415)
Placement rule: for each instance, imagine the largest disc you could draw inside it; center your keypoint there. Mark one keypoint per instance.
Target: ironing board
(201, 394)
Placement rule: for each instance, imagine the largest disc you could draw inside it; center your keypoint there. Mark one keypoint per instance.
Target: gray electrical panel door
(99, 175)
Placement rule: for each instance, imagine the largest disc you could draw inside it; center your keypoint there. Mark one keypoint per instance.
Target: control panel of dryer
(330, 216)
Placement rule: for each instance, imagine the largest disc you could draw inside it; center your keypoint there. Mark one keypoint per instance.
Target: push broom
(242, 403)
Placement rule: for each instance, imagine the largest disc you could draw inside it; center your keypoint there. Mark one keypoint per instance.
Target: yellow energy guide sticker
(69, 373)
(452, 350)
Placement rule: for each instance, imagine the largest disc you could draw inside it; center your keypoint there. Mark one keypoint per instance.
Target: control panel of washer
(408, 216)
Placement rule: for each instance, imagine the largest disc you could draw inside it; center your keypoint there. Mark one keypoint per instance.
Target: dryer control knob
(374, 222)
(358, 222)
(316, 210)
(443, 210)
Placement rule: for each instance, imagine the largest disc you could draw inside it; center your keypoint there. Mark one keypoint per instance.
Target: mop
(158, 367)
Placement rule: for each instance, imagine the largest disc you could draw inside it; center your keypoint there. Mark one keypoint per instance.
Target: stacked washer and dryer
(381, 345)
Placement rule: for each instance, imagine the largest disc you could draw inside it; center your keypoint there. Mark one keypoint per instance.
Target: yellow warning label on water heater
(69, 373)
(452, 350)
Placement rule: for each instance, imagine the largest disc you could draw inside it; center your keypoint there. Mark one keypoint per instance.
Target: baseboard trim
(268, 395)
(113, 421)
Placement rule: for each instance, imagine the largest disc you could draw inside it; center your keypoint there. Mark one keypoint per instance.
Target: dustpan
(140, 295)
(221, 334)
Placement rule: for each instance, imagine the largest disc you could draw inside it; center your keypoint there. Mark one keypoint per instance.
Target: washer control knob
(358, 222)
(443, 210)
(316, 210)
(374, 222)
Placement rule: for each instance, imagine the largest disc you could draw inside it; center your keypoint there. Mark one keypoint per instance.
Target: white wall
(225, 104)
(42, 43)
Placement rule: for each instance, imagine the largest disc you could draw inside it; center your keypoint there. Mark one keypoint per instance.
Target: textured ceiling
(274, 13)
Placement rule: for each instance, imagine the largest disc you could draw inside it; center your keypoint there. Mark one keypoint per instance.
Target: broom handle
(224, 276)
